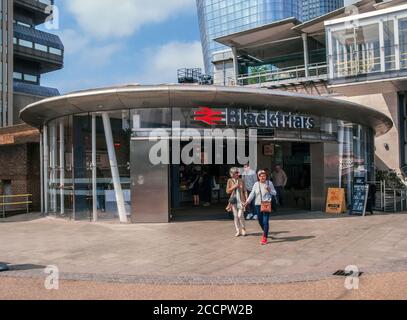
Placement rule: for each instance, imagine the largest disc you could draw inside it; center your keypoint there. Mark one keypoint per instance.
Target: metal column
(53, 156)
(62, 165)
(382, 47)
(94, 172)
(235, 62)
(42, 171)
(306, 54)
(114, 168)
(397, 44)
(330, 56)
(46, 165)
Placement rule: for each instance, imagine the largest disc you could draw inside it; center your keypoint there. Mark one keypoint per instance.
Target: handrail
(4, 204)
(316, 70)
(16, 196)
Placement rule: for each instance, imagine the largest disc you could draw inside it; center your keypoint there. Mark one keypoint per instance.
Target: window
(23, 24)
(40, 47)
(18, 75)
(25, 43)
(30, 78)
(55, 51)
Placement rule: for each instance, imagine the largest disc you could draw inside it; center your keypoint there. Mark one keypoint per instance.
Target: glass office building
(312, 9)
(222, 17)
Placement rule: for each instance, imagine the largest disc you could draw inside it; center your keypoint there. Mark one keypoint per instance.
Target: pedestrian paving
(304, 246)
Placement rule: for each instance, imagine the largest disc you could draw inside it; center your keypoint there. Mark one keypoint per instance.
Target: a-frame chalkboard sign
(359, 197)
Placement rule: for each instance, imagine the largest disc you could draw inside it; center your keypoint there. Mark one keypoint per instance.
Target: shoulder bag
(232, 201)
(266, 206)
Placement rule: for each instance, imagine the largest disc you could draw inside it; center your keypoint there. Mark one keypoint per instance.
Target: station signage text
(238, 117)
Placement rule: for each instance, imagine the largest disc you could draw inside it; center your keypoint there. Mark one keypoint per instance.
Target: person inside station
(194, 186)
(371, 198)
(206, 188)
(280, 181)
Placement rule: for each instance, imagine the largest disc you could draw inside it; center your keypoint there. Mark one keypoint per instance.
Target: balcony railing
(284, 76)
(354, 63)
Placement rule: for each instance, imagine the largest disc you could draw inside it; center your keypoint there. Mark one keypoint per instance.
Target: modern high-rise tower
(26, 54)
(221, 17)
(314, 8)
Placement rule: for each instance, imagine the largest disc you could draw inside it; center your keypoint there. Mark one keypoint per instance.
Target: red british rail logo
(208, 116)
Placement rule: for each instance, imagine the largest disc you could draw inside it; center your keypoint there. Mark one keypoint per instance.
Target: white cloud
(107, 18)
(162, 62)
(85, 50)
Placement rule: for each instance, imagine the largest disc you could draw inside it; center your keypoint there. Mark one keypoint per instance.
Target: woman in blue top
(263, 190)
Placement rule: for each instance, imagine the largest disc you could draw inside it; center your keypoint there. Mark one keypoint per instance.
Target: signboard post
(359, 197)
(336, 203)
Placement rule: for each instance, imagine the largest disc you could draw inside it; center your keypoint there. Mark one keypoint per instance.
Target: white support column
(338, 57)
(53, 156)
(382, 47)
(62, 165)
(235, 62)
(341, 140)
(364, 58)
(115, 170)
(397, 43)
(306, 54)
(94, 172)
(42, 171)
(345, 61)
(46, 165)
(330, 55)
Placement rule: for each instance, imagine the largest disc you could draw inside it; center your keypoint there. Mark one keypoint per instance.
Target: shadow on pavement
(24, 217)
(25, 267)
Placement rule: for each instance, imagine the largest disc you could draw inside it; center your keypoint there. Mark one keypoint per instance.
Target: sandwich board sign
(359, 197)
(336, 203)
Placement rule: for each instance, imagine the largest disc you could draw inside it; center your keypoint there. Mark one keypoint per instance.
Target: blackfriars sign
(261, 119)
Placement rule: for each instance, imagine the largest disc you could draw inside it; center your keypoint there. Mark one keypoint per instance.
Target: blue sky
(110, 42)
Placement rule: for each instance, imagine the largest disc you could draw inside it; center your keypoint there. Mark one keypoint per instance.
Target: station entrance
(208, 182)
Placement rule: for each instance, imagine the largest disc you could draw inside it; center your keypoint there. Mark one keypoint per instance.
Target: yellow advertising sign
(336, 203)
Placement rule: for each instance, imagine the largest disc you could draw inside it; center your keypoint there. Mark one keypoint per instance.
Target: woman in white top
(263, 190)
(238, 194)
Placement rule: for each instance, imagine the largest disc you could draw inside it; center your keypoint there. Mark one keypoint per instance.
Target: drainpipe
(115, 170)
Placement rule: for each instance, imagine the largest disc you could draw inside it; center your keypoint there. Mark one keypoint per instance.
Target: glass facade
(312, 9)
(375, 44)
(92, 160)
(222, 17)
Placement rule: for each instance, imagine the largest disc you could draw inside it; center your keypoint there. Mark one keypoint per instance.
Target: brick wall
(21, 164)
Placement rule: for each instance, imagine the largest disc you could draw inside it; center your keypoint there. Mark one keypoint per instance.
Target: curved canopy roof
(164, 96)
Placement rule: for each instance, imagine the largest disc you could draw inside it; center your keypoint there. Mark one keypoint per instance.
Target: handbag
(231, 202)
(265, 206)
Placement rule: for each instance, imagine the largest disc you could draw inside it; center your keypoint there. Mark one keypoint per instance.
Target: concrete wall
(324, 173)
(388, 104)
(22, 100)
(382, 96)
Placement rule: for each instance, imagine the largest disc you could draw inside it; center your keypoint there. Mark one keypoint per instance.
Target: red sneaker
(263, 241)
